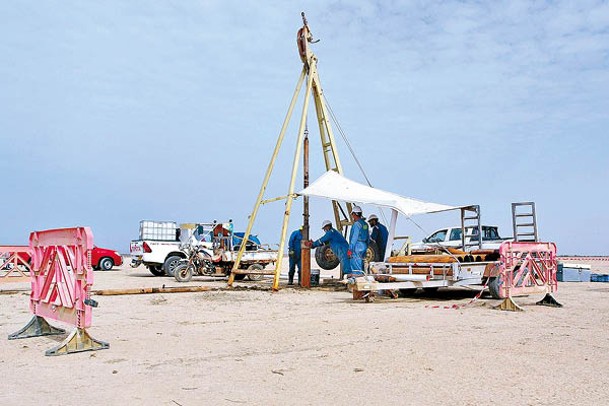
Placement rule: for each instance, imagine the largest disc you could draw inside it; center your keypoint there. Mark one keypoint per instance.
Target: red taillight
(146, 247)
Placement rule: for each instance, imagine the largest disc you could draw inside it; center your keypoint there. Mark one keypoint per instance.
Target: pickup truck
(451, 237)
(161, 246)
(158, 246)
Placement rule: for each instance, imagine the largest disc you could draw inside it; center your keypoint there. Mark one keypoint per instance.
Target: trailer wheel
(183, 272)
(170, 264)
(255, 277)
(155, 270)
(326, 258)
(494, 284)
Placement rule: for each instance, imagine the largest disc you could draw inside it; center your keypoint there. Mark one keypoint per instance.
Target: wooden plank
(140, 291)
(423, 270)
(444, 259)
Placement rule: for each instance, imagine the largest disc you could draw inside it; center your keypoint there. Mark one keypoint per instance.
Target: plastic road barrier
(14, 260)
(61, 279)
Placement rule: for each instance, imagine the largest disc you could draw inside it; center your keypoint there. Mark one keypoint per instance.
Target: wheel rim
(329, 255)
(182, 273)
(172, 265)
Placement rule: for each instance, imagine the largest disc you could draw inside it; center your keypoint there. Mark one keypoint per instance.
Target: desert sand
(312, 347)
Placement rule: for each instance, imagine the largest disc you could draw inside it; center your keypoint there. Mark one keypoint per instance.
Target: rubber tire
(183, 273)
(170, 263)
(257, 267)
(372, 253)
(155, 270)
(106, 264)
(494, 284)
(240, 276)
(326, 259)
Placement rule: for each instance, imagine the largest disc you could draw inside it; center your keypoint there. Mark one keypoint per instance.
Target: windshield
(438, 236)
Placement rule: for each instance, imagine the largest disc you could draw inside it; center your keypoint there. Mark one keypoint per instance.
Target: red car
(105, 259)
(101, 258)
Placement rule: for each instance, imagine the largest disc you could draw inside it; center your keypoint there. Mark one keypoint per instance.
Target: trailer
(519, 266)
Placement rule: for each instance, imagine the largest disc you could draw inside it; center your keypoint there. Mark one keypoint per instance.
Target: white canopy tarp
(334, 186)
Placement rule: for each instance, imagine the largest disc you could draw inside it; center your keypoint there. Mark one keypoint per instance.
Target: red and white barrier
(14, 260)
(592, 259)
(61, 279)
(527, 268)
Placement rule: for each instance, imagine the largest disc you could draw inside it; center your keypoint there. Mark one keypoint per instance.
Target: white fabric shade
(334, 186)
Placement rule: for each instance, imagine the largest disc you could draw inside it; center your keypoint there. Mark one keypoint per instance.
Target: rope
(456, 306)
(344, 137)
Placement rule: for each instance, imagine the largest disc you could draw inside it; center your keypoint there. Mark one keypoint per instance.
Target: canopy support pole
(394, 220)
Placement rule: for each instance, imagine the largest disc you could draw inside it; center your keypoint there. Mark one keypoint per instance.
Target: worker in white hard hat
(358, 241)
(379, 234)
(337, 243)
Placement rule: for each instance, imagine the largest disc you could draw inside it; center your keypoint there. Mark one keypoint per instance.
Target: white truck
(451, 237)
(162, 245)
(158, 246)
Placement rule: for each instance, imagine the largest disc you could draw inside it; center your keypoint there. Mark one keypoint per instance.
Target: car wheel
(155, 270)
(325, 257)
(106, 264)
(170, 264)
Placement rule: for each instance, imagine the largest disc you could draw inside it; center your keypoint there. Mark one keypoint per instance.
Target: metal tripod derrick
(313, 88)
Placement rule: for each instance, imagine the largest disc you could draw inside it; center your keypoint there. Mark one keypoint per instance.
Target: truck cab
(451, 237)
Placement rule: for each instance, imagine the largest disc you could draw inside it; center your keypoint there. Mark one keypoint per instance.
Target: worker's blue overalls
(358, 244)
(339, 246)
(294, 250)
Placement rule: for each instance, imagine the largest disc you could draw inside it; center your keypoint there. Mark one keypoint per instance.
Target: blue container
(573, 272)
(595, 277)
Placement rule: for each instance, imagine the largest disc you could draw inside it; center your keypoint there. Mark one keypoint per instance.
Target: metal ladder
(524, 221)
(470, 218)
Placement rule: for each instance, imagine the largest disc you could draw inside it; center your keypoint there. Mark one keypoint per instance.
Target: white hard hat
(372, 217)
(326, 223)
(356, 210)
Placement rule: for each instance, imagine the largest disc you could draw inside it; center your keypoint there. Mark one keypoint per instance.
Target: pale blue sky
(117, 111)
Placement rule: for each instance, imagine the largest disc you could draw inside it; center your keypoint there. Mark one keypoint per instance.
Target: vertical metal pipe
(305, 264)
(290, 200)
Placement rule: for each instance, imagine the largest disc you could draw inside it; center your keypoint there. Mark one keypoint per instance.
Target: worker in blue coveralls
(337, 242)
(378, 233)
(358, 242)
(294, 251)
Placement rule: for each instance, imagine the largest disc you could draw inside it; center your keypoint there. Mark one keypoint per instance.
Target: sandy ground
(313, 347)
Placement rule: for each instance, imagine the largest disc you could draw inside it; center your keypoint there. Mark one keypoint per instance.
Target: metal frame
(526, 228)
(332, 161)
